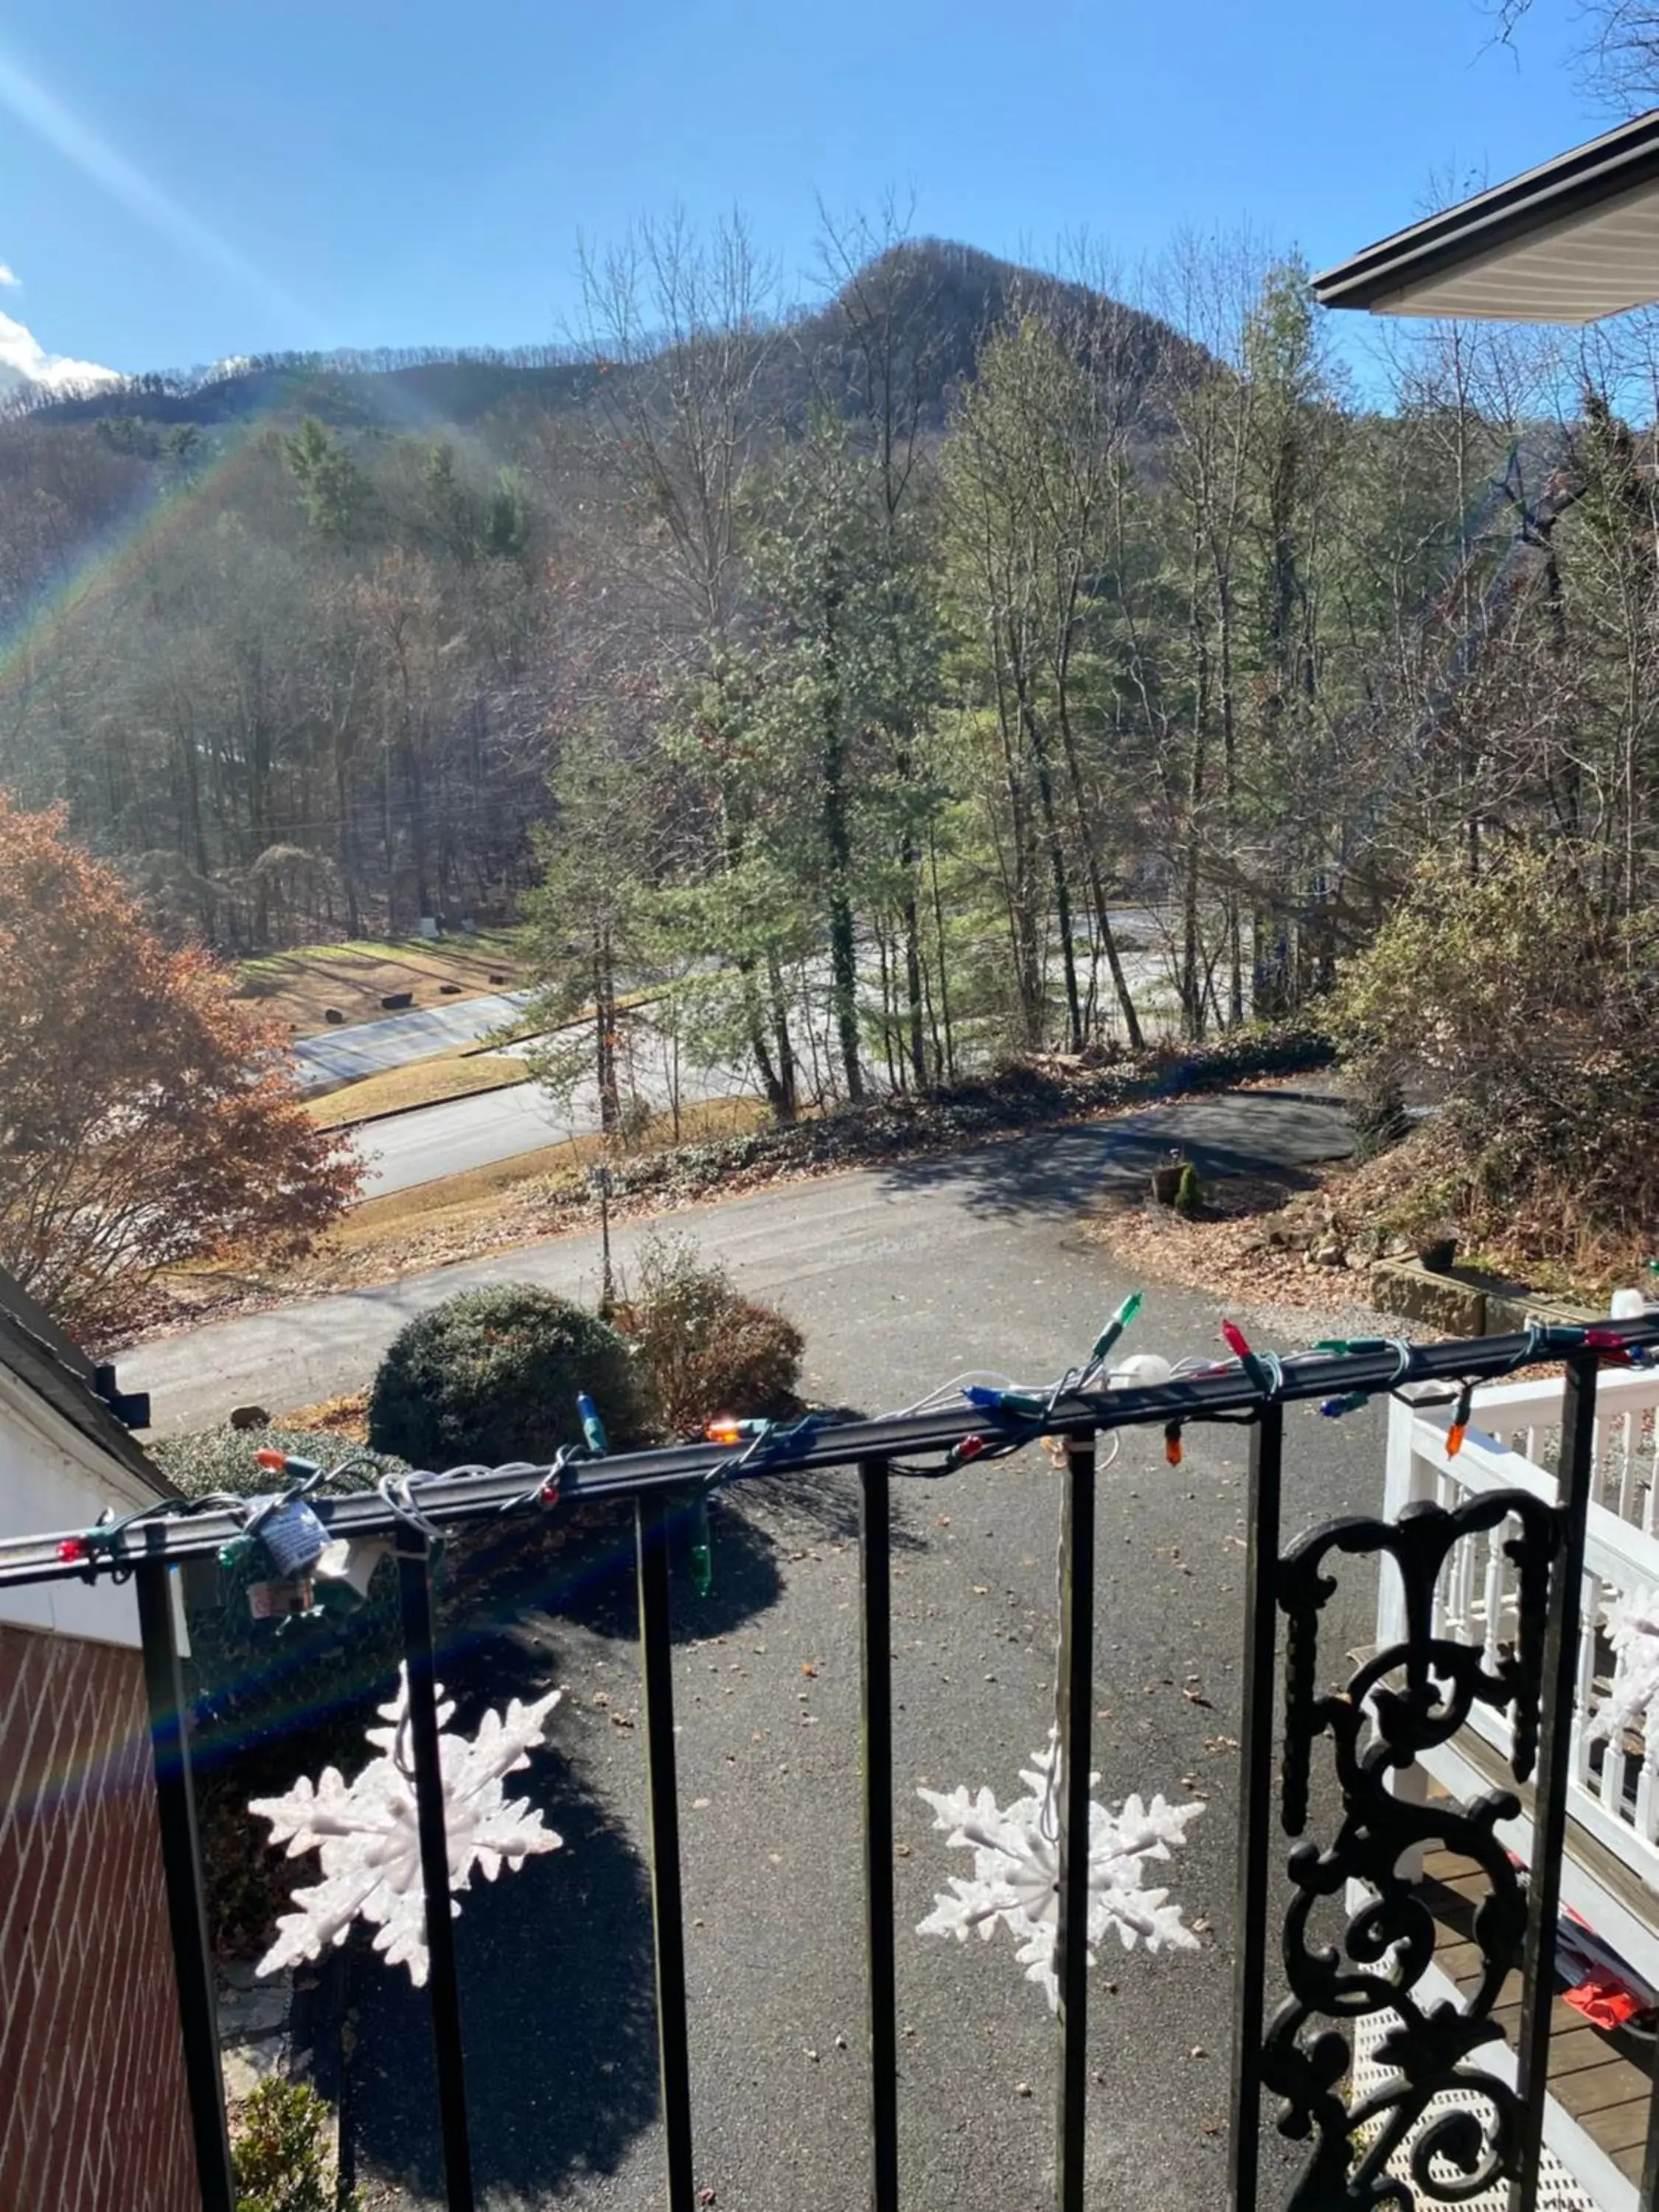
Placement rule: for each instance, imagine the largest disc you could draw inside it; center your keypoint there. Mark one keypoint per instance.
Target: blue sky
(190, 179)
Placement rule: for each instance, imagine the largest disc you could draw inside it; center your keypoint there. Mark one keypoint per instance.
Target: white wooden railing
(1613, 1791)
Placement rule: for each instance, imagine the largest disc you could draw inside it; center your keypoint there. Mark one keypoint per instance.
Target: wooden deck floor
(1603, 2080)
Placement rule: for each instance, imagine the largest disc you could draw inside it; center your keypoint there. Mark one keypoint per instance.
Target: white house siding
(53, 1478)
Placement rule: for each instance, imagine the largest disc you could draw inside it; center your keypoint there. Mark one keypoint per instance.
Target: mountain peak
(937, 296)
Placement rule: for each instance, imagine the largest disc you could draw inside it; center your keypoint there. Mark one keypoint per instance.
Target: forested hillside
(859, 659)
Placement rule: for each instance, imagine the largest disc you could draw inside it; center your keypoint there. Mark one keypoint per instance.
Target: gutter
(1621, 161)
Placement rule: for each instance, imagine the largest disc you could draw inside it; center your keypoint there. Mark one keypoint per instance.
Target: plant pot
(1166, 1181)
(1438, 1254)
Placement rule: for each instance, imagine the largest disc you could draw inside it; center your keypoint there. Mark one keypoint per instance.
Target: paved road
(900, 1280)
(406, 1150)
(343, 1055)
(430, 1141)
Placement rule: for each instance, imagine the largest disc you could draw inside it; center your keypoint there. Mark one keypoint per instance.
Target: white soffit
(1570, 241)
(1576, 270)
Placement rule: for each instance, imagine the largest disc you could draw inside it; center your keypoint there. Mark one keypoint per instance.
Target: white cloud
(24, 361)
(9, 276)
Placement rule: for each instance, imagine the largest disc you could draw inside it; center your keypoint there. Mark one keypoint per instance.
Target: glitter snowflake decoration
(1016, 1878)
(1632, 1629)
(368, 1834)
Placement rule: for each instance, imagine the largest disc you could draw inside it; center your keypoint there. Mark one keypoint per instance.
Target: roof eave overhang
(1468, 259)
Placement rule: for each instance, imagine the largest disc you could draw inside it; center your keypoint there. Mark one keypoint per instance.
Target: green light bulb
(1114, 1330)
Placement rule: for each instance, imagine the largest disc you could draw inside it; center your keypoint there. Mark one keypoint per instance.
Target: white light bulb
(1143, 1371)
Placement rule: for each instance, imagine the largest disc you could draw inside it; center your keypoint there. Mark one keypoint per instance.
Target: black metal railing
(1406, 1698)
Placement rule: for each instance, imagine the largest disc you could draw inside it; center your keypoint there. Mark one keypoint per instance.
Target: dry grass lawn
(457, 1074)
(299, 986)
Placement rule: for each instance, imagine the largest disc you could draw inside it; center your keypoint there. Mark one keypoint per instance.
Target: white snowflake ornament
(1016, 1878)
(1632, 1629)
(368, 1836)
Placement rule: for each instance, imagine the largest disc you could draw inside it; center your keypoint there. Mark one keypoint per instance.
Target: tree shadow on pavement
(587, 1575)
(1060, 1169)
(818, 1507)
(557, 1999)
(582, 1567)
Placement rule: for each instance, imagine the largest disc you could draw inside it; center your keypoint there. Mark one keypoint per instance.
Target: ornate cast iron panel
(1407, 1699)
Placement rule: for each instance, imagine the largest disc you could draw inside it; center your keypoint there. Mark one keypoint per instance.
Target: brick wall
(93, 2110)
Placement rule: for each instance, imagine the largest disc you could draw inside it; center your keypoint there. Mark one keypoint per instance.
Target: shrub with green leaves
(223, 1459)
(258, 1680)
(280, 2154)
(274, 1697)
(705, 1347)
(270, 1697)
(493, 1374)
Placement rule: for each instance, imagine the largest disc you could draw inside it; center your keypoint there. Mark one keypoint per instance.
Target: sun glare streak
(46, 115)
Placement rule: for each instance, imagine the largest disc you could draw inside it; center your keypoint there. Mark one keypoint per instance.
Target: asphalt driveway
(841, 1252)
(900, 1280)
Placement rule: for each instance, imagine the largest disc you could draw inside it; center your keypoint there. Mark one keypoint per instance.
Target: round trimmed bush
(493, 1374)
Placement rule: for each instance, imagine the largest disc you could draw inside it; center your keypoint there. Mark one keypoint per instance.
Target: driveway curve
(832, 1244)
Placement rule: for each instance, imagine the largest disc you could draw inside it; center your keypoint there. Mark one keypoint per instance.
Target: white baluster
(1625, 1430)
(1583, 1698)
(1647, 1784)
(1443, 1615)
(1462, 1623)
(1406, 1476)
(1494, 1590)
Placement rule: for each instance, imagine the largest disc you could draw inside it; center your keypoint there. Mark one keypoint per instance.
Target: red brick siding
(93, 2110)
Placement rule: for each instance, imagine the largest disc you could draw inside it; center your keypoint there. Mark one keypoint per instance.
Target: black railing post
(876, 1675)
(667, 1904)
(1255, 1765)
(1076, 1716)
(181, 1864)
(443, 1983)
(1575, 1480)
